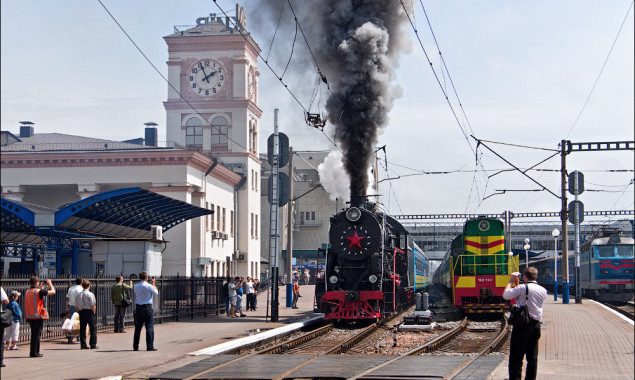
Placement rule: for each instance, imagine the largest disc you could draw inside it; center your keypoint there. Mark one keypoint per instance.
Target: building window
(256, 226)
(211, 218)
(256, 179)
(207, 217)
(218, 218)
(224, 229)
(194, 133)
(220, 132)
(301, 217)
(231, 226)
(252, 224)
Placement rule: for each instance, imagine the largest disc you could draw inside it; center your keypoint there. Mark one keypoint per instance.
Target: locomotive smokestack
(358, 200)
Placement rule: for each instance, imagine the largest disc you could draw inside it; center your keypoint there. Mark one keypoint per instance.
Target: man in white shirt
(87, 307)
(144, 293)
(71, 296)
(4, 301)
(251, 304)
(524, 340)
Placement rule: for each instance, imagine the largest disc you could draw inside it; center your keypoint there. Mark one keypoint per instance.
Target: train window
(606, 251)
(625, 251)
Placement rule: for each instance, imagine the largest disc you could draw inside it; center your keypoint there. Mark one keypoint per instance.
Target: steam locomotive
(373, 267)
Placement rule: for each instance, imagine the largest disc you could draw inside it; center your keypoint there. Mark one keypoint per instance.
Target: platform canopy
(18, 221)
(121, 213)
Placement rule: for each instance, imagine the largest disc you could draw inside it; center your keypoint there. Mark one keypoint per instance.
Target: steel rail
(620, 310)
(424, 348)
(286, 346)
(319, 331)
(495, 344)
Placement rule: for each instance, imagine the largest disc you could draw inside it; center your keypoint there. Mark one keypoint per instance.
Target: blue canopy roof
(122, 213)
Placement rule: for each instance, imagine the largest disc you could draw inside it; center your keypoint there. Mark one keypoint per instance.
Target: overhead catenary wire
(586, 101)
(165, 79)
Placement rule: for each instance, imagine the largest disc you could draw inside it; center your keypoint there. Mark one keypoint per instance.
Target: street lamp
(526, 247)
(555, 233)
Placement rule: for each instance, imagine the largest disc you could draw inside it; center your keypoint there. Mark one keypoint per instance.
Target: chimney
(358, 201)
(26, 129)
(152, 136)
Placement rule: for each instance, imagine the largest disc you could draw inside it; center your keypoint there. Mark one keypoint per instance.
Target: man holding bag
(121, 300)
(524, 340)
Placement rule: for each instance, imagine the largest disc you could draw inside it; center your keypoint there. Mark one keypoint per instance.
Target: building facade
(211, 159)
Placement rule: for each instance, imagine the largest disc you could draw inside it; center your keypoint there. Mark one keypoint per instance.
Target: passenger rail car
(476, 269)
(373, 266)
(606, 267)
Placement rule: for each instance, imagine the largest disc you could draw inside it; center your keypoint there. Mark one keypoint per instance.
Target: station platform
(582, 341)
(175, 341)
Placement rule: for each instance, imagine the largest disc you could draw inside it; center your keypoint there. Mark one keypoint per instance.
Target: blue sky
(523, 71)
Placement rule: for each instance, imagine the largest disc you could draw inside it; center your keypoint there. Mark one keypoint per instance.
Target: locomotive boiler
(373, 266)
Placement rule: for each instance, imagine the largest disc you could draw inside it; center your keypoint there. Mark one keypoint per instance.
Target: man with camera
(35, 311)
(144, 315)
(524, 340)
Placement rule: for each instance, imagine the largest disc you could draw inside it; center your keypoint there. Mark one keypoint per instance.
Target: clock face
(206, 77)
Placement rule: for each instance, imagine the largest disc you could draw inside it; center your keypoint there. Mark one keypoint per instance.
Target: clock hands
(206, 77)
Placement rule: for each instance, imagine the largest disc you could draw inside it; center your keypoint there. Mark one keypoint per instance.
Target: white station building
(211, 159)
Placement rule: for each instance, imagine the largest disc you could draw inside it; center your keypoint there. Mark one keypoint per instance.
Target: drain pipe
(238, 186)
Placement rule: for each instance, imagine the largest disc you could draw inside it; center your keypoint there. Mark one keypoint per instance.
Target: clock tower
(212, 107)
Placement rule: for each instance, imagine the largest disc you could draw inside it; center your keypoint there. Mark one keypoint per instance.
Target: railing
(106, 145)
(179, 298)
(472, 265)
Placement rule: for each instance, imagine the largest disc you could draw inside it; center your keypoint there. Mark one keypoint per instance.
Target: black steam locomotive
(373, 267)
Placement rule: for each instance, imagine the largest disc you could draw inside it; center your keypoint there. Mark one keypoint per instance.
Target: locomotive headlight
(333, 279)
(353, 214)
(372, 278)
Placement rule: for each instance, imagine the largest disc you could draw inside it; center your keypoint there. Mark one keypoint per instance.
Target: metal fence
(179, 298)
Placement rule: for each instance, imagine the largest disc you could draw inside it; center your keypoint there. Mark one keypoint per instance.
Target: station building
(210, 160)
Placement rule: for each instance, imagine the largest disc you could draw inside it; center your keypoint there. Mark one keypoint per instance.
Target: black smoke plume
(356, 44)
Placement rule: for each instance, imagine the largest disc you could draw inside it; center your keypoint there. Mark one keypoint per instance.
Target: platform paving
(579, 341)
(582, 341)
(174, 341)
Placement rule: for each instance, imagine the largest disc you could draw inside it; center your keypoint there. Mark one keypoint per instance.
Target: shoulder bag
(125, 301)
(7, 318)
(519, 316)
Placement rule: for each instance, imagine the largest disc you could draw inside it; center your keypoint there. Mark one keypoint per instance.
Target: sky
(522, 71)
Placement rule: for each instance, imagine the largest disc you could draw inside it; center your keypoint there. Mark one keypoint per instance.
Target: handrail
(506, 260)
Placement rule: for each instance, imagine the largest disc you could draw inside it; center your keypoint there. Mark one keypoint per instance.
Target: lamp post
(555, 233)
(526, 247)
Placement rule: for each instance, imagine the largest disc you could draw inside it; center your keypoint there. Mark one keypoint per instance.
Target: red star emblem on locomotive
(355, 240)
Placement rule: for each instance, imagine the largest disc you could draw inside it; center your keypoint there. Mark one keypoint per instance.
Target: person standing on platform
(296, 293)
(225, 291)
(144, 293)
(86, 306)
(256, 285)
(35, 311)
(71, 295)
(250, 294)
(524, 340)
(118, 293)
(12, 333)
(239, 296)
(4, 301)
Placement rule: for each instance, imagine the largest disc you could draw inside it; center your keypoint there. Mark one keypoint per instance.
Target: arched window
(220, 131)
(194, 133)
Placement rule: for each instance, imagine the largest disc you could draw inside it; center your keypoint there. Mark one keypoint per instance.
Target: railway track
(628, 309)
(318, 342)
(483, 341)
